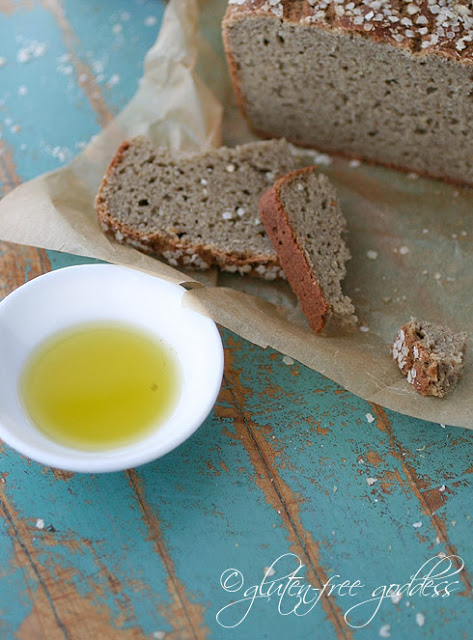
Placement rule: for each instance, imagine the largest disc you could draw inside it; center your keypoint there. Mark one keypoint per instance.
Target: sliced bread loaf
(302, 217)
(430, 355)
(384, 80)
(194, 210)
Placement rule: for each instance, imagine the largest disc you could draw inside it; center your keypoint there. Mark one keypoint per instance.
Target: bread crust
(304, 13)
(184, 254)
(292, 256)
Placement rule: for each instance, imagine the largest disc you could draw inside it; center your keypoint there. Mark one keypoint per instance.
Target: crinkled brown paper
(421, 230)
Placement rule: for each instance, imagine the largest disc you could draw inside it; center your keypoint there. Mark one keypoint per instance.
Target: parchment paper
(410, 237)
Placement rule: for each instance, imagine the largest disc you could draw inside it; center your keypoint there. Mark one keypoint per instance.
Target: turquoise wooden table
(297, 510)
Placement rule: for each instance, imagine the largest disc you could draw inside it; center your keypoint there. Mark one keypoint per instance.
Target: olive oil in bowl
(100, 386)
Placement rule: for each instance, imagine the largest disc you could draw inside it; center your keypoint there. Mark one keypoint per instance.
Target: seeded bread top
(442, 27)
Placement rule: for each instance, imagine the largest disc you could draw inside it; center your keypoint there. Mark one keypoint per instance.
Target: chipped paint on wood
(84, 74)
(281, 498)
(422, 496)
(184, 616)
(18, 264)
(10, 6)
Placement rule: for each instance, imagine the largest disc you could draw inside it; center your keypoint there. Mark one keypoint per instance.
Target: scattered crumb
(322, 158)
(384, 632)
(372, 255)
(442, 488)
(113, 80)
(65, 69)
(404, 250)
(437, 540)
(335, 489)
(60, 153)
(370, 417)
(441, 554)
(395, 597)
(288, 360)
(453, 523)
(417, 525)
(117, 28)
(230, 168)
(442, 425)
(424, 272)
(15, 128)
(425, 231)
(159, 635)
(354, 163)
(269, 571)
(40, 523)
(370, 481)
(3, 61)
(33, 50)
(22, 90)
(463, 233)
(420, 619)
(227, 215)
(364, 329)
(412, 175)
(437, 276)
(150, 21)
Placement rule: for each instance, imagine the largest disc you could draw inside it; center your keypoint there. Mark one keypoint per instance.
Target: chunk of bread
(387, 81)
(194, 210)
(302, 217)
(430, 355)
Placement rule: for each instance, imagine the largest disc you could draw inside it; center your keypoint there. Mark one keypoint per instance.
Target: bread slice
(302, 217)
(194, 210)
(430, 355)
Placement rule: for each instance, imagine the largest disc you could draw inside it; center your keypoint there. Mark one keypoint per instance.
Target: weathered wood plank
(17, 264)
(84, 74)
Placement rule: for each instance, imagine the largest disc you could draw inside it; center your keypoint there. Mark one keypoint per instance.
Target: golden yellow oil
(100, 386)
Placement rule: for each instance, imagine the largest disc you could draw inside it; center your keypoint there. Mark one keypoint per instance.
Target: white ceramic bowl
(96, 293)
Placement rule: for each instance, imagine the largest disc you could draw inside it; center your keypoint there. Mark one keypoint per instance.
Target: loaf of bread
(385, 80)
(430, 355)
(302, 217)
(195, 210)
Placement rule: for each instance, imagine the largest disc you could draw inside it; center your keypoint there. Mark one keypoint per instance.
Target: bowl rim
(123, 459)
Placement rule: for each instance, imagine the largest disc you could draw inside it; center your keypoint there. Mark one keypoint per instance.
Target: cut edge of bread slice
(323, 303)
